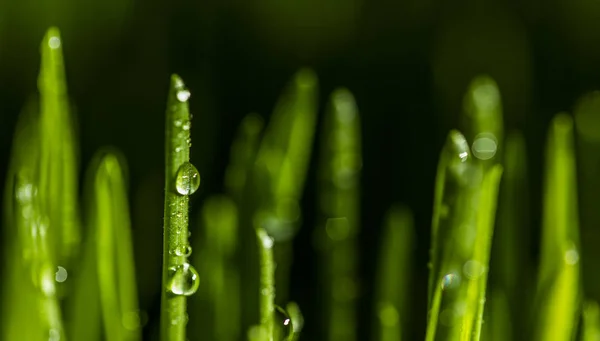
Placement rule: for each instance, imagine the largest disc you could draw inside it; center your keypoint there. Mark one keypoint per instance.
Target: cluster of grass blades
(238, 289)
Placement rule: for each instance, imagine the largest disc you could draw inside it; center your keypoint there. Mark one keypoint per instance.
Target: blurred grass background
(407, 63)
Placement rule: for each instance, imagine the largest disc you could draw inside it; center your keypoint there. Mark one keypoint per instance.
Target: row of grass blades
(339, 207)
(43, 227)
(463, 221)
(41, 215)
(264, 182)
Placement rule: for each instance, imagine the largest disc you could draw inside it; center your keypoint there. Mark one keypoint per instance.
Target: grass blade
(591, 321)
(179, 278)
(339, 172)
(393, 275)
(267, 283)
(114, 254)
(558, 289)
(510, 269)
(297, 320)
(243, 155)
(281, 167)
(58, 160)
(30, 304)
(465, 204)
(218, 267)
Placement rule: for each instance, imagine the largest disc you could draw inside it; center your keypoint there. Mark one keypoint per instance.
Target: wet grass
(68, 278)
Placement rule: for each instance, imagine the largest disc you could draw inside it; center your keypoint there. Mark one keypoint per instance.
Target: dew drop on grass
(473, 269)
(571, 256)
(183, 280)
(54, 42)
(388, 315)
(448, 281)
(485, 146)
(283, 324)
(187, 179)
(61, 274)
(183, 250)
(183, 95)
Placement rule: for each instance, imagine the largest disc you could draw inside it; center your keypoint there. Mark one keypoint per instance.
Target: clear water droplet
(184, 280)
(283, 324)
(572, 256)
(186, 125)
(187, 179)
(183, 95)
(61, 274)
(388, 315)
(183, 251)
(485, 146)
(177, 123)
(449, 281)
(54, 42)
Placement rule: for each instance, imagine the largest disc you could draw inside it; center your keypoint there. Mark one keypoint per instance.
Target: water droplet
(183, 95)
(283, 324)
(178, 149)
(449, 281)
(473, 269)
(53, 335)
(458, 146)
(61, 274)
(187, 179)
(485, 146)
(186, 125)
(54, 42)
(183, 250)
(184, 280)
(571, 256)
(177, 123)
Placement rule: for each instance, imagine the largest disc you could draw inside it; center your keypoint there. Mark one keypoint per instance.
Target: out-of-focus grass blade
(591, 321)
(30, 307)
(339, 172)
(393, 276)
(462, 233)
(218, 267)
(510, 269)
(297, 320)
(58, 177)
(281, 167)
(114, 254)
(243, 155)
(558, 289)
(587, 124)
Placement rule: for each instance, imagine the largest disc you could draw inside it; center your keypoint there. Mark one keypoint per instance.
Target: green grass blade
(591, 321)
(30, 304)
(179, 278)
(219, 270)
(115, 267)
(482, 119)
(281, 167)
(267, 283)
(243, 155)
(467, 207)
(510, 268)
(297, 320)
(58, 159)
(339, 173)
(558, 290)
(394, 272)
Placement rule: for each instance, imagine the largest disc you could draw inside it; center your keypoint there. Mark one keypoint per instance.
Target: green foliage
(244, 251)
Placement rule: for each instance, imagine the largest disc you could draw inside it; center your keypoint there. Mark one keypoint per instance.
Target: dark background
(407, 62)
